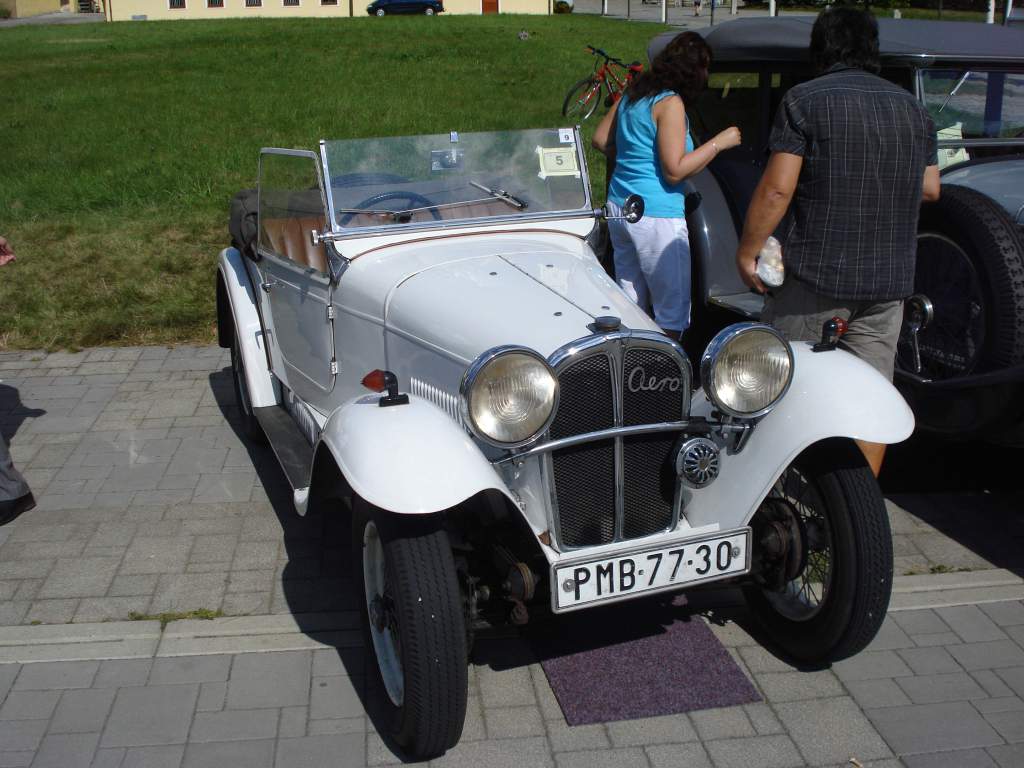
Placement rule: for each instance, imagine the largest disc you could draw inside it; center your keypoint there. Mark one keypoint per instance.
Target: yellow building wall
(124, 10)
(21, 8)
(522, 6)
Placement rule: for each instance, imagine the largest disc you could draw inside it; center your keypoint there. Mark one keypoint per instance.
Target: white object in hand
(769, 263)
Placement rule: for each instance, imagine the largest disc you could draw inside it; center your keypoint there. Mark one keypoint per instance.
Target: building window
(253, 3)
(214, 3)
(176, 4)
(291, 3)
(328, 2)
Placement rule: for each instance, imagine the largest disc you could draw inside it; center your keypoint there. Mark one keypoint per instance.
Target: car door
(295, 277)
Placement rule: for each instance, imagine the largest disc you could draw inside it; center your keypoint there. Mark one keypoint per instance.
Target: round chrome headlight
(509, 396)
(746, 369)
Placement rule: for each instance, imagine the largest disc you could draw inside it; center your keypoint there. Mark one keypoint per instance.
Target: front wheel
(415, 624)
(582, 99)
(380, 11)
(822, 559)
(429, 11)
(250, 425)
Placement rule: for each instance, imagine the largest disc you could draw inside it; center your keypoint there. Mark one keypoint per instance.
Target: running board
(294, 453)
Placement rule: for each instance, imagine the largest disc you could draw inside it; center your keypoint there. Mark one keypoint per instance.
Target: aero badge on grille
(697, 462)
(639, 381)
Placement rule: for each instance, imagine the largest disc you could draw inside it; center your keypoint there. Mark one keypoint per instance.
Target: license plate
(622, 576)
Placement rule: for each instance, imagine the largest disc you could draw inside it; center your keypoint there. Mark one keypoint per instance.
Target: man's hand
(747, 266)
(6, 254)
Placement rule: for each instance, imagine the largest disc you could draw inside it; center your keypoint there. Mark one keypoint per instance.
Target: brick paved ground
(938, 689)
(149, 501)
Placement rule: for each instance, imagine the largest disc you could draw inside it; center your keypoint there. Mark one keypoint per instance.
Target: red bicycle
(612, 75)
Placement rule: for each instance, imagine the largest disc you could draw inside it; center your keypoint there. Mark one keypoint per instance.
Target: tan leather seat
(290, 238)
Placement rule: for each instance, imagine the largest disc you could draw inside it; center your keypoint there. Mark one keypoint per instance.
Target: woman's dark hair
(845, 36)
(681, 67)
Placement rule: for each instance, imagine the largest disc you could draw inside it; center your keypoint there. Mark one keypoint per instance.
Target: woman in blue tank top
(645, 134)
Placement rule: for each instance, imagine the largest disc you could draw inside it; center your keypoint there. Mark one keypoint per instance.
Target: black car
(960, 363)
(385, 7)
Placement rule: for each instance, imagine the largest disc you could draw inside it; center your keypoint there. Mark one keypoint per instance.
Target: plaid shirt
(865, 144)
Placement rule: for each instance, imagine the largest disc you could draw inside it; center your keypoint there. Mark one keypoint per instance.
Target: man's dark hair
(845, 36)
(681, 67)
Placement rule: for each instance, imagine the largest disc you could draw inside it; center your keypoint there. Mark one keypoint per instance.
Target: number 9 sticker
(557, 161)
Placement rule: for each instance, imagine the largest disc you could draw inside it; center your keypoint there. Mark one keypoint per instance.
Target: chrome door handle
(266, 286)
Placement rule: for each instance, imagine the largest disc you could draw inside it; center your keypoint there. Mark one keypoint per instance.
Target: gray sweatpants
(12, 484)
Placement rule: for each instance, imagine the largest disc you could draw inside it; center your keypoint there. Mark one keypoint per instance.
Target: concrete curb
(311, 631)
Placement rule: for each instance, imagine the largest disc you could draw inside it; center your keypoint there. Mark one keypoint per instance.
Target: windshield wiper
(956, 88)
(501, 194)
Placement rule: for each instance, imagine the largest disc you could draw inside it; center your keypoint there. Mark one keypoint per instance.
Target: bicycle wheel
(582, 99)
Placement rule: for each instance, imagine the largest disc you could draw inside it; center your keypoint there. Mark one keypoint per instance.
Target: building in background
(139, 10)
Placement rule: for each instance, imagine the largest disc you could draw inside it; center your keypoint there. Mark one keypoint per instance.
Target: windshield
(975, 104)
(423, 180)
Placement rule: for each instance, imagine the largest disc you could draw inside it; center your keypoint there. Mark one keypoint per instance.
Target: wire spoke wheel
(821, 571)
(583, 99)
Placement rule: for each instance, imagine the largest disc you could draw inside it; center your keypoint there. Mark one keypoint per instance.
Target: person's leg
(664, 257)
(15, 496)
(874, 330)
(627, 268)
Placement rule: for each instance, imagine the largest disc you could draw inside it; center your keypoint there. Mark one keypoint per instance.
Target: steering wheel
(395, 194)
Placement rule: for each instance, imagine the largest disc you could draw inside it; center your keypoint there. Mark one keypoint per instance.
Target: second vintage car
(421, 330)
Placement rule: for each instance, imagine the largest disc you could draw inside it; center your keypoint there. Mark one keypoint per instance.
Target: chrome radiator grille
(621, 486)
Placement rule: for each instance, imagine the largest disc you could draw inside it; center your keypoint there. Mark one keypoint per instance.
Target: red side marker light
(375, 381)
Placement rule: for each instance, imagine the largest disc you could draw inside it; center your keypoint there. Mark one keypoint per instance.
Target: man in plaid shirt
(855, 155)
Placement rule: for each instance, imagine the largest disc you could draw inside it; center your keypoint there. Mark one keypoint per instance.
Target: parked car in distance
(420, 329)
(387, 7)
(961, 355)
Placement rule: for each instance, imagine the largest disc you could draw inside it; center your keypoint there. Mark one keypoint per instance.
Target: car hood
(998, 179)
(529, 294)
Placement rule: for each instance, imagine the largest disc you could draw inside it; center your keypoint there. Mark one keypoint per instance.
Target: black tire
(250, 425)
(424, 602)
(380, 12)
(970, 264)
(582, 99)
(428, 11)
(847, 542)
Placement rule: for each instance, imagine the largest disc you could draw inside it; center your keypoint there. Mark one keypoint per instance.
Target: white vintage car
(420, 328)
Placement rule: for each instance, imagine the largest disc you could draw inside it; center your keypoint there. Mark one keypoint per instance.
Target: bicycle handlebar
(599, 52)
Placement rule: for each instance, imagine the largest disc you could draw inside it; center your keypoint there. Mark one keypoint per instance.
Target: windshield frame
(338, 232)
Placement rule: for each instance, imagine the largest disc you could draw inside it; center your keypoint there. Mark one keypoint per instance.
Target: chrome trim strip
(588, 437)
(443, 399)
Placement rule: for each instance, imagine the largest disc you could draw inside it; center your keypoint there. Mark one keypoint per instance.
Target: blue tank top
(637, 165)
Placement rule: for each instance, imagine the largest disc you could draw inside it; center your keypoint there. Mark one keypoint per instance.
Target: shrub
(562, 6)
(5, 12)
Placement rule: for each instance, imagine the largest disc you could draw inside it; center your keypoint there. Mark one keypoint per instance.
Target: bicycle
(612, 74)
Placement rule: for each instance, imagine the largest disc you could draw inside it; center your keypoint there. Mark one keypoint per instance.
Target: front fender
(410, 459)
(833, 394)
(248, 329)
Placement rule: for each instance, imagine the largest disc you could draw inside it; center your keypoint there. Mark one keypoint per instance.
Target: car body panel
(1002, 180)
(232, 267)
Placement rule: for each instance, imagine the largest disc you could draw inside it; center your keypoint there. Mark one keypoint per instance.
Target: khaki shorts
(874, 326)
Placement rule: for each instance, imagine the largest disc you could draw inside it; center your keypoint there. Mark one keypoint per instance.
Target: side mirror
(632, 210)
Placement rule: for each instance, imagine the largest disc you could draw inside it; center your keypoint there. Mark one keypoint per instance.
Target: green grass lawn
(121, 144)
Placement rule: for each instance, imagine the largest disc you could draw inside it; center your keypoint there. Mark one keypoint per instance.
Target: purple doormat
(627, 662)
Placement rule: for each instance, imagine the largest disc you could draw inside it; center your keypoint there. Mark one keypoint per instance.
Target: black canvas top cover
(786, 39)
(243, 222)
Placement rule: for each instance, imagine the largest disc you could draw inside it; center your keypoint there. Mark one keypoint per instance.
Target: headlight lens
(509, 396)
(746, 369)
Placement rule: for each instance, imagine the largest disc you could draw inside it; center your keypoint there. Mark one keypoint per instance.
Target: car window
(731, 98)
(975, 104)
(291, 205)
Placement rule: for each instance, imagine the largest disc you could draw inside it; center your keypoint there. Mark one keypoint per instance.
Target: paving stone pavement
(929, 692)
(150, 502)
